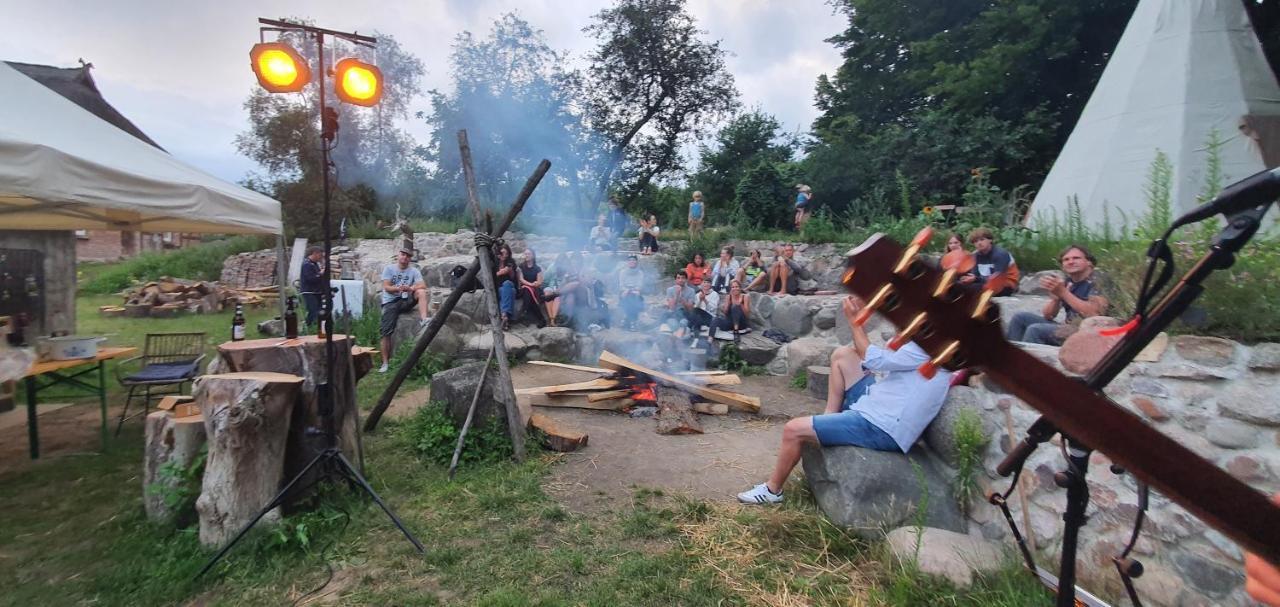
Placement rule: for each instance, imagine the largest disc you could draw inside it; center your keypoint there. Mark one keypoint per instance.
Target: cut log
(544, 363)
(712, 380)
(711, 408)
(740, 402)
(305, 357)
(596, 397)
(247, 419)
(675, 411)
(137, 310)
(576, 402)
(558, 436)
(174, 443)
(595, 384)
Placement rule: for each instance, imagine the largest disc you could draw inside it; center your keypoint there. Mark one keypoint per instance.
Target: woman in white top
(725, 269)
(649, 235)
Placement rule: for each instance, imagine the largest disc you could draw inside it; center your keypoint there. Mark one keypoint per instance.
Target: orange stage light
(279, 68)
(357, 82)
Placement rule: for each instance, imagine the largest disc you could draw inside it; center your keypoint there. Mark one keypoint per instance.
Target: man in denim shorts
(888, 414)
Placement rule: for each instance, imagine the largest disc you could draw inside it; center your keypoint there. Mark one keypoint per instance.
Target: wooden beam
(596, 397)
(545, 400)
(543, 363)
(711, 408)
(740, 402)
(595, 384)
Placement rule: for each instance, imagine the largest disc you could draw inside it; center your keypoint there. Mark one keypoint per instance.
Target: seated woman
(725, 270)
(601, 236)
(697, 270)
(504, 273)
(570, 292)
(649, 234)
(735, 309)
(551, 288)
(530, 279)
(753, 275)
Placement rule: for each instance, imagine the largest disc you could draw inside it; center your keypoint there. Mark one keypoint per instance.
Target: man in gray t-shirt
(402, 290)
(680, 300)
(630, 284)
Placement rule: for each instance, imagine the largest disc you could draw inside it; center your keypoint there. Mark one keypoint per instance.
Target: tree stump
(675, 412)
(558, 437)
(304, 357)
(176, 442)
(247, 419)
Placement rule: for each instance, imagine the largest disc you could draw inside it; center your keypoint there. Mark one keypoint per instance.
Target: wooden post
(504, 391)
(247, 419)
(442, 313)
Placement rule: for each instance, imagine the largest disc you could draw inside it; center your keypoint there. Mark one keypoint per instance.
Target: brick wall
(109, 245)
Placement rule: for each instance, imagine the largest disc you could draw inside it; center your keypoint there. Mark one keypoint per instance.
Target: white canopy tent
(1182, 69)
(62, 168)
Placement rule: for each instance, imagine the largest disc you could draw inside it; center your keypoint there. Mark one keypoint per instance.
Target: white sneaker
(663, 328)
(384, 368)
(760, 494)
(723, 335)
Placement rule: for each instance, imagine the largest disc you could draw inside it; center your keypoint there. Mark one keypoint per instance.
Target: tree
(512, 95)
(746, 140)
(764, 196)
(284, 138)
(935, 88)
(652, 84)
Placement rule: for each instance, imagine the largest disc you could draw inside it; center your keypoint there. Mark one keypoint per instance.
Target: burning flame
(644, 392)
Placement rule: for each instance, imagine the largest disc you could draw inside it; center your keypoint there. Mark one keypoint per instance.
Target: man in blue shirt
(402, 291)
(311, 283)
(1084, 293)
(886, 414)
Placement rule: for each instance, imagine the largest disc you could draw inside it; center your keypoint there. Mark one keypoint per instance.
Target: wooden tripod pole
(471, 411)
(504, 392)
(446, 307)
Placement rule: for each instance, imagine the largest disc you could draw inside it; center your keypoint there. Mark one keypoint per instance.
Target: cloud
(180, 70)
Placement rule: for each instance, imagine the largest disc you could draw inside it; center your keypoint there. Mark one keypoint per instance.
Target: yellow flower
(927, 210)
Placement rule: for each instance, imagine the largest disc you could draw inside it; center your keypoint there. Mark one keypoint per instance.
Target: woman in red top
(698, 270)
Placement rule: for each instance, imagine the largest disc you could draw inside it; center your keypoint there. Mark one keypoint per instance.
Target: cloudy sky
(180, 69)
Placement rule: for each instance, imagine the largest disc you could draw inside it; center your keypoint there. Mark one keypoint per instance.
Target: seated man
(601, 236)
(402, 290)
(1083, 294)
(990, 260)
(630, 284)
(886, 415)
(680, 301)
(785, 272)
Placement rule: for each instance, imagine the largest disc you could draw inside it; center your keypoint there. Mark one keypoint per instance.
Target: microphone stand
(1241, 227)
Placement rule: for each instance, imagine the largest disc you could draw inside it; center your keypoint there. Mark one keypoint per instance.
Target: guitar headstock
(957, 326)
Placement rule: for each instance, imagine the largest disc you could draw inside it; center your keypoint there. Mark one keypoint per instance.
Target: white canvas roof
(62, 168)
(1182, 69)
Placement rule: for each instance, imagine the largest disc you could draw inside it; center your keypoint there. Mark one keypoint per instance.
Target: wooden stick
(1022, 492)
(608, 395)
(471, 411)
(543, 400)
(595, 384)
(743, 402)
(712, 372)
(505, 391)
(442, 314)
(544, 363)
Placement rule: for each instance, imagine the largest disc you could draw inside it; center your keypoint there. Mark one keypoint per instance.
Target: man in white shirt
(888, 414)
(402, 290)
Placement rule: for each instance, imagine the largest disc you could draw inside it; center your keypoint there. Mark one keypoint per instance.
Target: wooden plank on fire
(742, 402)
(713, 380)
(596, 397)
(546, 400)
(545, 363)
(595, 384)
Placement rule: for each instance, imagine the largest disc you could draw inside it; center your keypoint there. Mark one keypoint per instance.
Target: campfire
(621, 385)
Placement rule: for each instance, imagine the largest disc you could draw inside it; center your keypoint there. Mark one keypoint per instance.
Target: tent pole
(282, 272)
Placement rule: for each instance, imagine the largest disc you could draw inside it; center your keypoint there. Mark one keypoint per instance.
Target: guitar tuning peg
(930, 368)
(944, 283)
(875, 302)
(918, 242)
(908, 331)
(995, 284)
(954, 263)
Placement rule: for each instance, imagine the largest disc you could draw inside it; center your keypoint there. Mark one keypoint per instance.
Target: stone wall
(1214, 396)
(59, 294)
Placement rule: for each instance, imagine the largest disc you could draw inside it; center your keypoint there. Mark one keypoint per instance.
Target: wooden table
(50, 370)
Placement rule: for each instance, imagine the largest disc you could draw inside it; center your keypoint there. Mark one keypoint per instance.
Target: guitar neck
(1223, 502)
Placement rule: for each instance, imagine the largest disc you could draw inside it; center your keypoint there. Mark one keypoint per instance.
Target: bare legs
(779, 272)
(846, 370)
(423, 295)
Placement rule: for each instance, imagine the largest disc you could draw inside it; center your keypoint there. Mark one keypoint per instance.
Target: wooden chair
(167, 359)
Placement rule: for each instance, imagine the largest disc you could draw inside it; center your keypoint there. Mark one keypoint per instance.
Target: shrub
(970, 441)
(432, 434)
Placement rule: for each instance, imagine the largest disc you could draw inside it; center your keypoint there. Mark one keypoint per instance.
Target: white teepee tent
(1182, 70)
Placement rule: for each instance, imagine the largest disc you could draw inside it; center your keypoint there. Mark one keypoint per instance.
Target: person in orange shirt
(697, 270)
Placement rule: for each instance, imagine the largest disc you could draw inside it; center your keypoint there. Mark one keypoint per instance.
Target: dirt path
(71, 430)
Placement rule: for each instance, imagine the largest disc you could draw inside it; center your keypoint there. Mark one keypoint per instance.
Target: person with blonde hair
(803, 194)
(697, 214)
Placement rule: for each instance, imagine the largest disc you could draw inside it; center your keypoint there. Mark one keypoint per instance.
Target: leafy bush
(731, 360)
(800, 380)
(179, 486)
(432, 434)
(197, 262)
(765, 196)
(970, 441)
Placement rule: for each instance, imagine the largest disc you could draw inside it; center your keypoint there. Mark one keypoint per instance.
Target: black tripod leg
(352, 475)
(275, 501)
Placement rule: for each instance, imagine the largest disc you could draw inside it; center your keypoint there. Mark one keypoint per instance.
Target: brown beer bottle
(322, 322)
(290, 318)
(237, 323)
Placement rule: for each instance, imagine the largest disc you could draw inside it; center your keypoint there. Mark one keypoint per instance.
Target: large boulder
(477, 345)
(807, 351)
(869, 491)
(941, 433)
(791, 315)
(555, 342)
(761, 309)
(948, 554)
(757, 349)
(457, 386)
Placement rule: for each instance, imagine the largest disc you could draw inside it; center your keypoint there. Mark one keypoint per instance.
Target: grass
(198, 262)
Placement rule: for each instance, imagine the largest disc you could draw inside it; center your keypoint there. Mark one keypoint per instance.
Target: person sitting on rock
(725, 269)
(885, 414)
(648, 234)
(601, 236)
(402, 290)
(530, 278)
(504, 274)
(753, 274)
(705, 307)
(735, 309)
(591, 312)
(697, 270)
(990, 261)
(680, 300)
(1083, 294)
(785, 273)
(630, 300)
